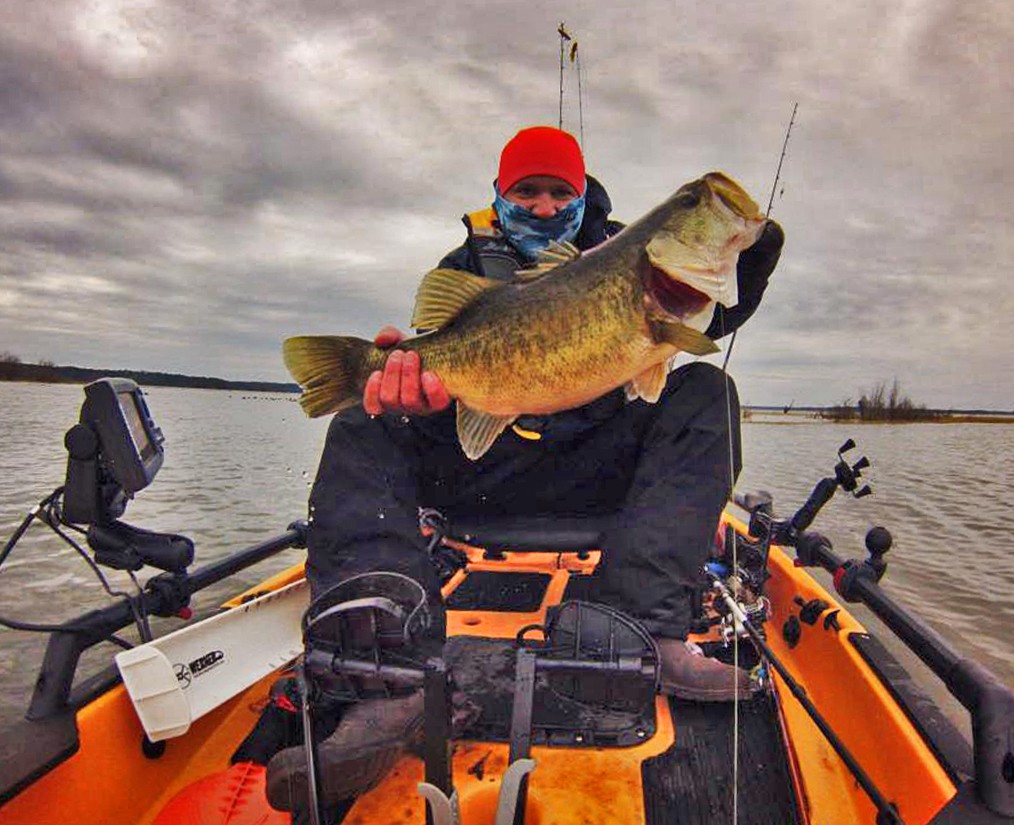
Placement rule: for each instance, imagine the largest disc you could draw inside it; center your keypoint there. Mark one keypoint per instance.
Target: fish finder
(114, 451)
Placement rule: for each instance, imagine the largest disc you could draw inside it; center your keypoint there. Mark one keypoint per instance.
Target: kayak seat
(360, 635)
(529, 534)
(519, 592)
(595, 679)
(372, 610)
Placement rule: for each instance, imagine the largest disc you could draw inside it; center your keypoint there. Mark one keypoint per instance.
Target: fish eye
(689, 198)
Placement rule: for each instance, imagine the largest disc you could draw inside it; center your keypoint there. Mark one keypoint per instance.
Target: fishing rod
(847, 476)
(564, 38)
(767, 214)
(575, 58)
(785, 146)
(887, 813)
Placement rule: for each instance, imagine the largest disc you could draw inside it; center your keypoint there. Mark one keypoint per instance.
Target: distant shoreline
(53, 374)
(799, 415)
(47, 374)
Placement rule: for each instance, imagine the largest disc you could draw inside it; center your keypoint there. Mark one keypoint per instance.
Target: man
(660, 473)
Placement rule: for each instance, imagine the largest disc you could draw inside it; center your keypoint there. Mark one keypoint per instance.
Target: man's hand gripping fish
(566, 332)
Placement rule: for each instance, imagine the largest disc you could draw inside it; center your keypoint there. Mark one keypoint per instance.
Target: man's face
(541, 195)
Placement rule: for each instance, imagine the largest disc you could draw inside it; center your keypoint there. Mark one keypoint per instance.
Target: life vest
(491, 253)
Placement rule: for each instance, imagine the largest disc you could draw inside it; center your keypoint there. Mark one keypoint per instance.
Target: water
(238, 468)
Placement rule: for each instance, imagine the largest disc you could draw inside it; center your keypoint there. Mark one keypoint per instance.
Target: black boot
(370, 738)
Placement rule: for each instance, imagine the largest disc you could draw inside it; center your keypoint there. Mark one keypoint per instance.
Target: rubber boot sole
(705, 694)
(343, 775)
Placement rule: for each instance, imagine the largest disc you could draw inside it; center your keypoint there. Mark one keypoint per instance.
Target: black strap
(472, 249)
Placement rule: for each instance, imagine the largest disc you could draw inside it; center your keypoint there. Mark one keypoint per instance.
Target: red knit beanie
(541, 150)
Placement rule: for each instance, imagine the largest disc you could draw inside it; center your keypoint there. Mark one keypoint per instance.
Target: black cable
(140, 617)
(23, 527)
(89, 561)
(48, 512)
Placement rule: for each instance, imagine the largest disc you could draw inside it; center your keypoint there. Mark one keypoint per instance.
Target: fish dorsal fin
(695, 267)
(554, 255)
(648, 384)
(443, 293)
(478, 430)
(682, 337)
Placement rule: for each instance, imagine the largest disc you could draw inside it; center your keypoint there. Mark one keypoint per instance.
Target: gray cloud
(182, 185)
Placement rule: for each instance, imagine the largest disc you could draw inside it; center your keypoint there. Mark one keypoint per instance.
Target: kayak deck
(691, 782)
(680, 771)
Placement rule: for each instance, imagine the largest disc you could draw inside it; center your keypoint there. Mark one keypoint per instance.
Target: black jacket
(495, 257)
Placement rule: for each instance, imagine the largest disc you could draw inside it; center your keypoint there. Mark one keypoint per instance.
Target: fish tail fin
(331, 369)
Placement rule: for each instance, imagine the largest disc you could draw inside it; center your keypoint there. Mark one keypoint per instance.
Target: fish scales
(537, 339)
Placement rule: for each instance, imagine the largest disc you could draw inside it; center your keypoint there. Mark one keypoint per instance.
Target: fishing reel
(757, 611)
(741, 568)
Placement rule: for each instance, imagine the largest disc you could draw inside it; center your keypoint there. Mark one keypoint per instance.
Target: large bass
(566, 332)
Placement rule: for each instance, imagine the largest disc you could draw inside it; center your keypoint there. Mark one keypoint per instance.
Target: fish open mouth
(675, 298)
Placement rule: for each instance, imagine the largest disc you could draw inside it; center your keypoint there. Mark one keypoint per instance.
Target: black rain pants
(661, 474)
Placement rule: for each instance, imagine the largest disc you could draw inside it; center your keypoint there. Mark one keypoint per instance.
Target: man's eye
(563, 195)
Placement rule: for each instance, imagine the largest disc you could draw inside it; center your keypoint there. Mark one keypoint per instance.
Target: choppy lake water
(238, 468)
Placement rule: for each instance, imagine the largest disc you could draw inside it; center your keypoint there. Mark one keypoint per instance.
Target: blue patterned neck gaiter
(530, 234)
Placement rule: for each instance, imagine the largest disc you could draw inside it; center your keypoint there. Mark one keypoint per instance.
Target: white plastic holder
(176, 679)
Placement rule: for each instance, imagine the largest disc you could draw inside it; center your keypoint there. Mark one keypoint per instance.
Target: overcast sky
(184, 184)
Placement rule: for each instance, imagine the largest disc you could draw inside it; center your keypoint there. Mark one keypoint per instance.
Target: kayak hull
(114, 776)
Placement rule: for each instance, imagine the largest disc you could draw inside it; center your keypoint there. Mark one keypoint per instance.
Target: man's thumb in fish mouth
(759, 260)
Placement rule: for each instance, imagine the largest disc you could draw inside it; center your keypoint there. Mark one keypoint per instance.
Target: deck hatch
(500, 592)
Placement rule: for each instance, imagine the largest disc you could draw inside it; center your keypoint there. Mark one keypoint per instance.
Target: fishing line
(732, 485)
(767, 214)
(735, 566)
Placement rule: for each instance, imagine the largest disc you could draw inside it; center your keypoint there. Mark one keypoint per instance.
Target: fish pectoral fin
(443, 293)
(648, 384)
(478, 430)
(682, 337)
(554, 255)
